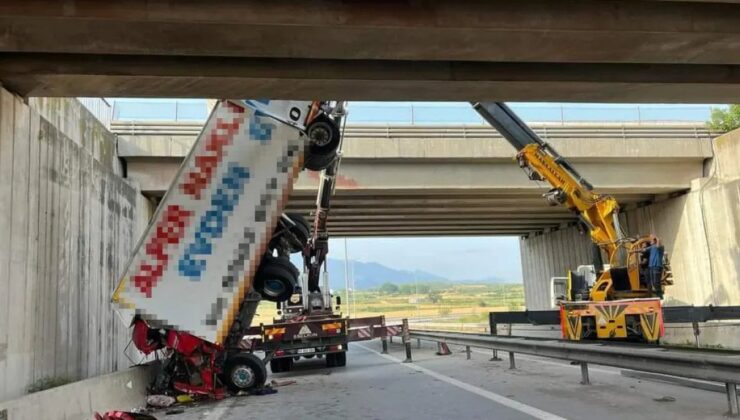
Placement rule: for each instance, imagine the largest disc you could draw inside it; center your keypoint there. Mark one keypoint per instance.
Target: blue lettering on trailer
(214, 221)
(261, 127)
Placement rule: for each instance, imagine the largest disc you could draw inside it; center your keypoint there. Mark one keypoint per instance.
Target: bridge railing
(546, 131)
(411, 113)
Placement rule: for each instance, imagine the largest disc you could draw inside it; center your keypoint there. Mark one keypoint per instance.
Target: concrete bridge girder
(448, 180)
(435, 50)
(155, 177)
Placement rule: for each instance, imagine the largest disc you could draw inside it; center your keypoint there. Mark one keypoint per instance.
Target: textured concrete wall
(80, 400)
(550, 255)
(67, 224)
(700, 230)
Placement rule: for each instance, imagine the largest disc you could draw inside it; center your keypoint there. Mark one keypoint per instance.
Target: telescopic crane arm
(542, 163)
(315, 253)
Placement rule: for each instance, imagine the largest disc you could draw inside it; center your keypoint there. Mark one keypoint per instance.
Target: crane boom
(543, 163)
(634, 297)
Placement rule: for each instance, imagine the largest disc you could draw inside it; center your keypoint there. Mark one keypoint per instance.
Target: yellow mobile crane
(619, 304)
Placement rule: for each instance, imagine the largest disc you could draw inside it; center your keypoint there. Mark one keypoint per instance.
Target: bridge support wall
(700, 231)
(68, 221)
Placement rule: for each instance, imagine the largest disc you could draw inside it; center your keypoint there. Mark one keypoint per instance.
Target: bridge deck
(453, 180)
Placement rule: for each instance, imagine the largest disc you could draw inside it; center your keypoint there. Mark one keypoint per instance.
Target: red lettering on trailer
(169, 231)
(221, 136)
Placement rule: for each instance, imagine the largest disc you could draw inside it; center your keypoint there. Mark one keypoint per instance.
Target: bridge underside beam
(412, 200)
(198, 77)
(524, 50)
(526, 30)
(499, 179)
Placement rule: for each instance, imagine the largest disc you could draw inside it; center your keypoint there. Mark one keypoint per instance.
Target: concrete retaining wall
(117, 391)
(550, 255)
(701, 231)
(68, 222)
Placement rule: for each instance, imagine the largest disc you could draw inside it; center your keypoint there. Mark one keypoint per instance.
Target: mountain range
(368, 275)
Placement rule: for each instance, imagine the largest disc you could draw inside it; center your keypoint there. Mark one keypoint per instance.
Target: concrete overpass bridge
(453, 180)
(570, 50)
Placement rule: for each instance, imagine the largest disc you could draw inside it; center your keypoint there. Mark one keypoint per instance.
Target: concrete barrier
(712, 335)
(122, 390)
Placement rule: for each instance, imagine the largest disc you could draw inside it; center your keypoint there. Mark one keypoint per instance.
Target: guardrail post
(467, 352)
(384, 337)
(697, 331)
(732, 399)
(407, 340)
(512, 361)
(494, 331)
(418, 343)
(584, 374)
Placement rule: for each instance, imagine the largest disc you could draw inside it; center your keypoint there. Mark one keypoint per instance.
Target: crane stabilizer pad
(196, 260)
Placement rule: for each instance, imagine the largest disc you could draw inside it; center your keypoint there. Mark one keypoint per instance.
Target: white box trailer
(195, 263)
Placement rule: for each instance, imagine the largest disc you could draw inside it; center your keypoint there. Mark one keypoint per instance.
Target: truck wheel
(301, 230)
(316, 162)
(300, 233)
(287, 364)
(276, 278)
(340, 359)
(244, 372)
(331, 360)
(276, 365)
(323, 135)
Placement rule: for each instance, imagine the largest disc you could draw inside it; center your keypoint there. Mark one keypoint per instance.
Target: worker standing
(655, 266)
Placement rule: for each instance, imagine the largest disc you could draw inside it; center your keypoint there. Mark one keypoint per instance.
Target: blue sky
(451, 257)
(455, 258)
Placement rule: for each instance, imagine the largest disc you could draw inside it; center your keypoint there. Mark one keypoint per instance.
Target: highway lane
(375, 386)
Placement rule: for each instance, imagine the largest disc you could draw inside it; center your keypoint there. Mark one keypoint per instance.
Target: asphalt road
(375, 386)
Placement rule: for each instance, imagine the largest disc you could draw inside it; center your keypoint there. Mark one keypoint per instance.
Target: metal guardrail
(688, 364)
(546, 131)
(671, 315)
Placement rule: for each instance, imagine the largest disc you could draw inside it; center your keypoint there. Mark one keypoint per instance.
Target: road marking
(500, 399)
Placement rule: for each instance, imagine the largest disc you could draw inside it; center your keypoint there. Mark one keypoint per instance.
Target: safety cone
(443, 349)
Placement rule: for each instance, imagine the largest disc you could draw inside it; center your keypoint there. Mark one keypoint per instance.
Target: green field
(446, 303)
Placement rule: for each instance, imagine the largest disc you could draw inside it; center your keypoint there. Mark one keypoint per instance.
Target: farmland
(437, 303)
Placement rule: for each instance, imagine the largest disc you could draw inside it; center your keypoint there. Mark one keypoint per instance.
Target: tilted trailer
(219, 243)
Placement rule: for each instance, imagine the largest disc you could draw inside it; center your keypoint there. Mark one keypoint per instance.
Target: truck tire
(301, 230)
(287, 365)
(276, 365)
(315, 162)
(276, 278)
(340, 359)
(331, 360)
(323, 136)
(244, 372)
